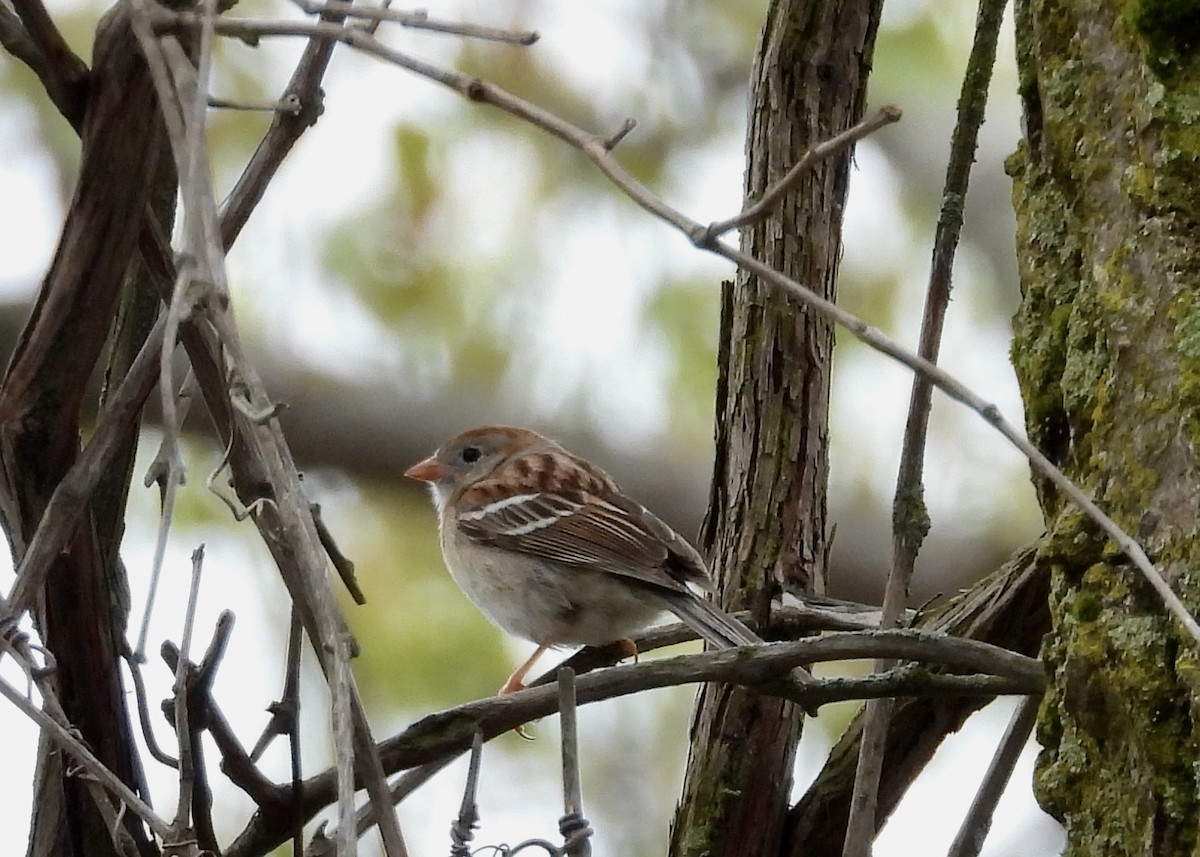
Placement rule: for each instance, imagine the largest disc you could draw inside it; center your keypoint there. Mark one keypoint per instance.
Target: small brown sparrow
(547, 546)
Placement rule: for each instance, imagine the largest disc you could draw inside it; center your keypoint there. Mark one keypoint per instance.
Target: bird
(551, 550)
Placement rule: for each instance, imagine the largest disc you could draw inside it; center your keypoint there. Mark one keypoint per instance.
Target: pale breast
(544, 603)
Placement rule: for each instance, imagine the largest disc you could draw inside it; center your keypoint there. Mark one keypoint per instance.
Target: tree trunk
(83, 606)
(766, 522)
(1107, 192)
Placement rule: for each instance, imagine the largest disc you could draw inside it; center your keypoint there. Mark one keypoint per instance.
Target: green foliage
(686, 316)
(440, 304)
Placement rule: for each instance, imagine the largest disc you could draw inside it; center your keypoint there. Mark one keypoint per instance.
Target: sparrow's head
(471, 457)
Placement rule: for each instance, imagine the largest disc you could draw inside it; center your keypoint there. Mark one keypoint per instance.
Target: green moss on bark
(1169, 30)
(1107, 351)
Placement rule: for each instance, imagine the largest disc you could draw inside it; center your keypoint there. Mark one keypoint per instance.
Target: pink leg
(516, 681)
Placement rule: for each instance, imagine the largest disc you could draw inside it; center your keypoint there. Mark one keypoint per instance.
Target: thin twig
(236, 763)
(910, 520)
(975, 827)
(342, 564)
(199, 683)
(287, 104)
(143, 709)
(818, 153)
(187, 771)
(372, 27)
(160, 471)
(343, 743)
(291, 699)
(418, 20)
(304, 87)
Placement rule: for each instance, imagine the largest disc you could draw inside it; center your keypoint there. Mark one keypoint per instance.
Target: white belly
(548, 604)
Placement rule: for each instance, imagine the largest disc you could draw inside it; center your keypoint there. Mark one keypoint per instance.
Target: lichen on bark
(1105, 346)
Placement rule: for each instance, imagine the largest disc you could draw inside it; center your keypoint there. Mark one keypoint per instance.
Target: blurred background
(422, 264)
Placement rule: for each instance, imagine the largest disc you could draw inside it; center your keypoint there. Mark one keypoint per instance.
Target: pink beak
(429, 470)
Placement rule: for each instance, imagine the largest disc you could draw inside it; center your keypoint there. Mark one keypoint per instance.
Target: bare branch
(975, 827)
(287, 104)
(438, 737)
(787, 623)
(236, 763)
(63, 74)
(143, 708)
(343, 743)
(419, 20)
(163, 471)
(814, 156)
(910, 519)
(343, 566)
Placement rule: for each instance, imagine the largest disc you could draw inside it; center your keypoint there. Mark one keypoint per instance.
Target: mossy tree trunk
(766, 523)
(1107, 350)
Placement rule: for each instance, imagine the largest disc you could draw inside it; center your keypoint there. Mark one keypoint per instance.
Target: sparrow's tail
(711, 623)
(721, 629)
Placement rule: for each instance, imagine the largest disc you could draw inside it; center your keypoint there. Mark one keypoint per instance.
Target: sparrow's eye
(471, 454)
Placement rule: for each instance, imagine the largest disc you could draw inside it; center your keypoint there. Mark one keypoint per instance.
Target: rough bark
(765, 528)
(1106, 186)
(82, 610)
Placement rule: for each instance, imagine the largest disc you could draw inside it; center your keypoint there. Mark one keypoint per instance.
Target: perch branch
(434, 738)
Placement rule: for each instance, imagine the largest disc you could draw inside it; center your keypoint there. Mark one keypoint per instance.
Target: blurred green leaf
(687, 315)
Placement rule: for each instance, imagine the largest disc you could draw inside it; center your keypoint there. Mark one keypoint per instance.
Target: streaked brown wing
(611, 534)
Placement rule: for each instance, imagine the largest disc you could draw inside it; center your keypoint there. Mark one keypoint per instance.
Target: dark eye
(471, 454)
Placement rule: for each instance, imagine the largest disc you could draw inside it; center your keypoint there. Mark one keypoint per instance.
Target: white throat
(441, 495)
